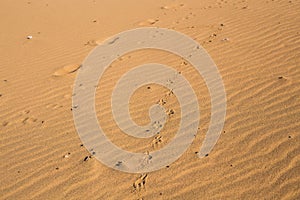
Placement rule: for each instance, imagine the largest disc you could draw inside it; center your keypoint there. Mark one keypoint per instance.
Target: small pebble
(206, 155)
(29, 37)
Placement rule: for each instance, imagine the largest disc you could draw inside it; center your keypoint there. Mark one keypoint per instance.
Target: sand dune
(256, 46)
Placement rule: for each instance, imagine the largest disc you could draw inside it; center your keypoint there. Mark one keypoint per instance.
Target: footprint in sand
(53, 106)
(148, 22)
(173, 7)
(216, 32)
(156, 141)
(5, 123)
(170, 112)
(68, 69)
(140, 182)
(26, 118)
(91, 43)
(162, 102)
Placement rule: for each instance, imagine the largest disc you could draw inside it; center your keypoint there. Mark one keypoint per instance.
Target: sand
(256, 46)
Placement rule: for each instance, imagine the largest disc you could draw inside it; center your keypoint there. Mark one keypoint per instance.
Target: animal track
(173, 7)
(170, 112)
(162, 102)
(54, 106)
(140, 182)
(26, 118)
(156, 141)
(215, 32)
(91, 43)
(148, 22)
(68, 69)
(5, 123)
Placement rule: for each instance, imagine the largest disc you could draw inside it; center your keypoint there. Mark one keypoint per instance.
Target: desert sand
(256, 47)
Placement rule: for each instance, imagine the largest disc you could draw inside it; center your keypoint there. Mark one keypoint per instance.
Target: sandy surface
(256, 46)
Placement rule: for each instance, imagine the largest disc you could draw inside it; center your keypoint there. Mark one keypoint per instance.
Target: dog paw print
(170, 112)
(27, 117)
(140, 182)
(156, 141)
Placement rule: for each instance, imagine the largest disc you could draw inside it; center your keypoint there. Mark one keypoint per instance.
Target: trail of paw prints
(91, 43)
(182, 10)
(173, 7)
(139, 185)
(163, 101)
(25, 117)
(28, 118)
(158, 139)
(216, 31)
(165, 9)
(242, 4)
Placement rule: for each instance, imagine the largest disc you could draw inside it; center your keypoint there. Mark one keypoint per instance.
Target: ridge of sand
(256, 46)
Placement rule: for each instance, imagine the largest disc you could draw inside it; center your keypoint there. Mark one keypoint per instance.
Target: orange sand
(256, 46)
